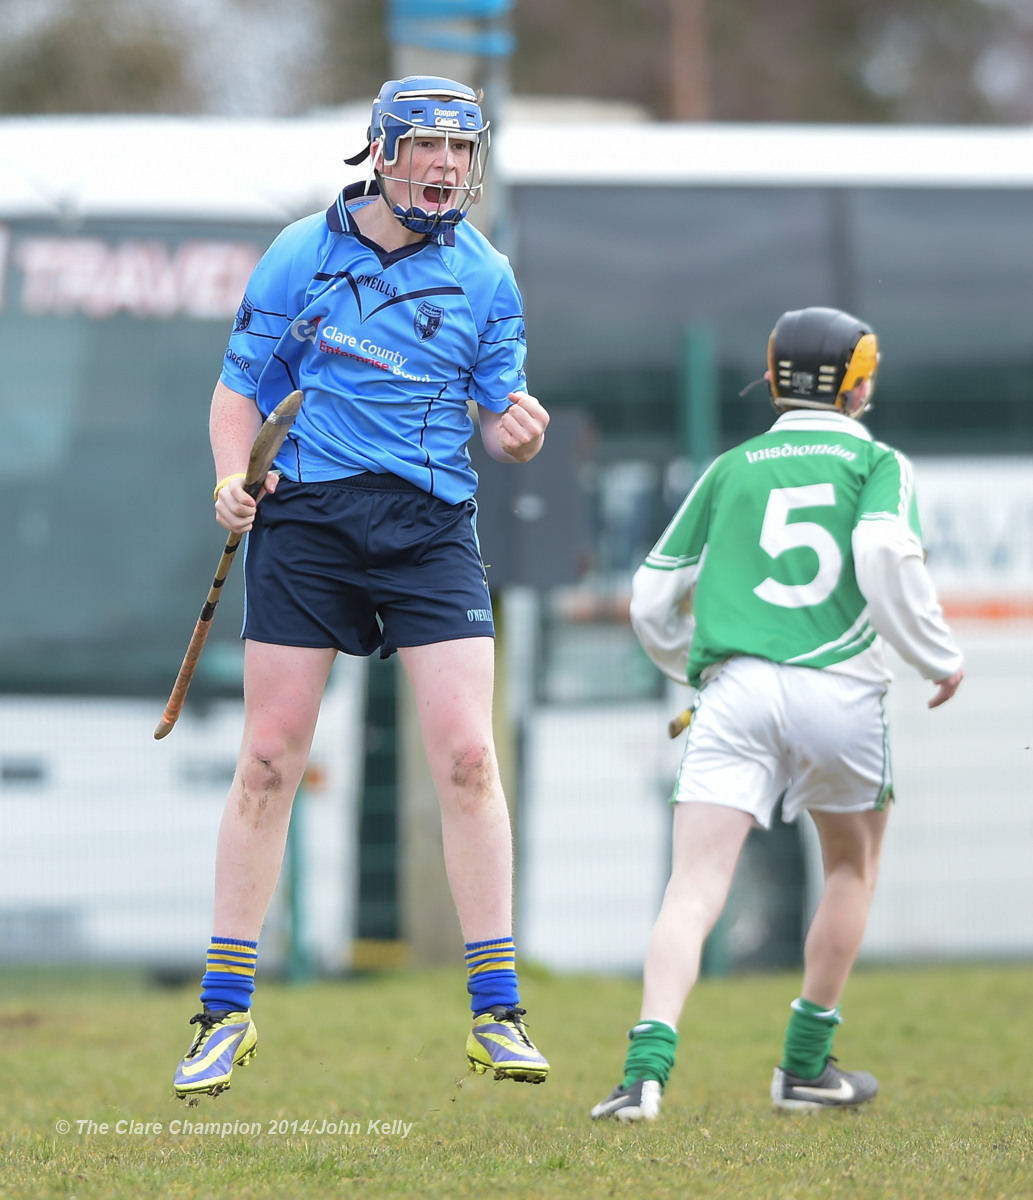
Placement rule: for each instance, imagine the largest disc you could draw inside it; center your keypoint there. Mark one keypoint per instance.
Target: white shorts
(761, 729)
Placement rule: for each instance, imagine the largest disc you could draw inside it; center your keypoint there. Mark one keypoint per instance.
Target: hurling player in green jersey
(773, 590)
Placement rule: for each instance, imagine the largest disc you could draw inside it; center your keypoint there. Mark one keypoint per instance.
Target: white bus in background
(125, 247)
(654, 262)
(125, 244)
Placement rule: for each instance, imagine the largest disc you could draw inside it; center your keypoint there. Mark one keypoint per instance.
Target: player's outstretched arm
(517, 434)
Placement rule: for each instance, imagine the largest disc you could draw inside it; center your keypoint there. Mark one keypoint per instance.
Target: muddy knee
(474, 774)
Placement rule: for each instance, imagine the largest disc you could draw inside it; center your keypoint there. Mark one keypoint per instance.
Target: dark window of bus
(112, 338)
(614, 277)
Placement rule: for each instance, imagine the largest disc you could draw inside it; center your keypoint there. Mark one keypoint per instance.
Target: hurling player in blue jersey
(395, 318)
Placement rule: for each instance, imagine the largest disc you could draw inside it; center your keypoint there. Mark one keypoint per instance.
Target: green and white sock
(651, 1053)
(808, 1040)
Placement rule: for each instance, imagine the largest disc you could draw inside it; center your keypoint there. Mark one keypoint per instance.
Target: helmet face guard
(427, 106)
(818, 358)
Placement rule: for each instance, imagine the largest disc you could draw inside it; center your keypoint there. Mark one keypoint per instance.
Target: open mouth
(436, 197)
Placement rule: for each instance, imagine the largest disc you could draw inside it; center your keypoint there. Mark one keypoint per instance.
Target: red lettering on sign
(199, 279)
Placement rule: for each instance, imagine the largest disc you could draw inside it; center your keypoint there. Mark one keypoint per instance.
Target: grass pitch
(360, 1089)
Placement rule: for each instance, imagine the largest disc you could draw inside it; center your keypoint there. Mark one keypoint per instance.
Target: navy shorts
(360, 563)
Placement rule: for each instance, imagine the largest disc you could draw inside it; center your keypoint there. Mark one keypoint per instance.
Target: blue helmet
(428, 102)
(440, 108)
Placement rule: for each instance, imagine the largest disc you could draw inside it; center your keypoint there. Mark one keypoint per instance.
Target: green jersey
(763, 543)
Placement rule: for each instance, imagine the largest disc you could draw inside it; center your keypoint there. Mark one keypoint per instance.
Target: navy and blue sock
(229, 980)
(491, 974)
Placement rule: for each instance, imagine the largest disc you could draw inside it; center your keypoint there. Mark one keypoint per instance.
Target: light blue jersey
(387, 347)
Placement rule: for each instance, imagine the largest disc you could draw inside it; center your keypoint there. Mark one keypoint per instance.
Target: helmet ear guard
(822, 358)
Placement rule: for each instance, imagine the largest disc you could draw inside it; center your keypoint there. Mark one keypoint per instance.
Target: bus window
(112, 338)
(946, 277)
(613, 278)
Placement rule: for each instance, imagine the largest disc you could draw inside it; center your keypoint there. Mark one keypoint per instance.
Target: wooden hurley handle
(197, 640)
(264, 450)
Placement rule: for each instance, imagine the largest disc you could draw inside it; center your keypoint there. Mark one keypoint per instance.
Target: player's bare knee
(473, 773)
(261, 775)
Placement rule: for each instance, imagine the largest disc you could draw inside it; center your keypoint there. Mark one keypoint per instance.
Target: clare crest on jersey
(244, 315)
(427, 320)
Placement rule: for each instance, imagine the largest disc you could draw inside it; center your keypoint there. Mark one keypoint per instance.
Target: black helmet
(817, 357)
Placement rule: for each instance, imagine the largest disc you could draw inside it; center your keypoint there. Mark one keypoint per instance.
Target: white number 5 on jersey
(777, 535)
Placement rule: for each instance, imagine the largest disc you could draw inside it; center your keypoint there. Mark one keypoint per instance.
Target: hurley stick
(265, 448)
(676, 724)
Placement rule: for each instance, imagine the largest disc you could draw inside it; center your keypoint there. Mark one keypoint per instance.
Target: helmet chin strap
(752, 384)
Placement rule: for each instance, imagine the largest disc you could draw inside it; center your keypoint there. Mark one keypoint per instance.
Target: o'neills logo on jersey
(378, 285)
(427, 320)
